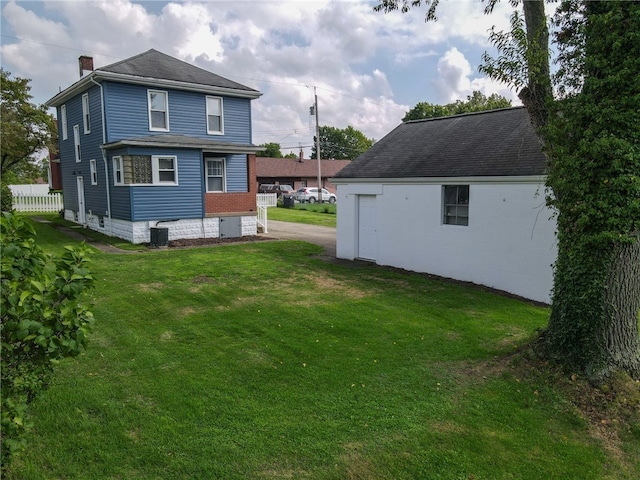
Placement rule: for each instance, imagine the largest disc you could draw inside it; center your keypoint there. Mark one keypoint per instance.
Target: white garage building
(461, 197)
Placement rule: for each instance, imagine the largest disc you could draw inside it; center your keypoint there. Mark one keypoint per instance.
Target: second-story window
(76, 142)
(158, 111)
(215, 124)
(63, 121)
(86, 118)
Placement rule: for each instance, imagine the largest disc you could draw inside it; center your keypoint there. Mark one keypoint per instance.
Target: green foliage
(26, 128)
(475, 102)
(6, 197)
(341, 144)
(43, 318)
(593, 138)
(271, 150)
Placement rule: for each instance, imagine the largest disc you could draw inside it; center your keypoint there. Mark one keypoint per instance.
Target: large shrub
(44, 319)
(6, 197)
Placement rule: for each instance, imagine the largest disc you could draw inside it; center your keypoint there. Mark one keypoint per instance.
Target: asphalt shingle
(492, 143)
(155, 64)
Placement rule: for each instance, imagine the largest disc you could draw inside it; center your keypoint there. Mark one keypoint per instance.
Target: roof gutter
(205, 147)
(99, 75)
(531, 179)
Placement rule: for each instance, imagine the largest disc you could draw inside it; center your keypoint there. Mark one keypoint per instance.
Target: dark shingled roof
(492, 143)
(155, 64)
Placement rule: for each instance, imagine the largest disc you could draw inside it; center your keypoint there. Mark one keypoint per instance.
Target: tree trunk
(538, 92)
(621, 340)
(594, 174)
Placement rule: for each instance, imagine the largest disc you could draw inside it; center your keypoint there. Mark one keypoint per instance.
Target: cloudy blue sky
(368, 68)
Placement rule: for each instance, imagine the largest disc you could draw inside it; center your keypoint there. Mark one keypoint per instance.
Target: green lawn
(314, 214)
(261, 361)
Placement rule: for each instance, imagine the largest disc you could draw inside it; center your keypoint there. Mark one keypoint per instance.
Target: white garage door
(367, 231)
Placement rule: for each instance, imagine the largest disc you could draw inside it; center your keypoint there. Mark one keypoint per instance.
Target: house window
(76, 142)
(158, 111)
(94, 172)
(215, 123)
(215, 175)
(63, 121)
(118, 171)
(456, 205)
(164, 170)
(145, 170)
(85, 113)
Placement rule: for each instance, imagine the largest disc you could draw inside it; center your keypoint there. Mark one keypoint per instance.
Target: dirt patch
(202, 242)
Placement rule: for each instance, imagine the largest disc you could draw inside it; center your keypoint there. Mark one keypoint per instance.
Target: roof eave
(536, 179)
(205, 147)
(98, 75)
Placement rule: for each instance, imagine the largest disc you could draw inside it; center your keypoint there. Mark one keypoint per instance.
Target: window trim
(118, 166)
(166, 110)
(223, 161)
(155, 169)
(445, 205)
(63, 121)
(76, 143)
(221, 106)
(86, 115)
(93, 168)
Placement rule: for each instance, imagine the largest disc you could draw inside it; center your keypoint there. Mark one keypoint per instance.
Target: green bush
(44, 320)
(6, 198)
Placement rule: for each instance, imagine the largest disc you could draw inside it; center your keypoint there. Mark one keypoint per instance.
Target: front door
(367, 230)
(82, 217)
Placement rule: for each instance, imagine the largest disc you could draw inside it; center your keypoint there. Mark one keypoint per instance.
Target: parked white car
(310, 194)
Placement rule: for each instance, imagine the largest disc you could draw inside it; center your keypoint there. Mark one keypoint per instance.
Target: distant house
(152, 141)
(297, 172)
(461, 197)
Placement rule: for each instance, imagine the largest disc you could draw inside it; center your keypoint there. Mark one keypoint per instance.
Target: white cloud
(357, 58)
(454, 80)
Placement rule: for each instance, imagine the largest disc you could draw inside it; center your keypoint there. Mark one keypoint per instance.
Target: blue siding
(127, 114)
(184, 200)
(237, 173)
(95, 195)
(120, 195)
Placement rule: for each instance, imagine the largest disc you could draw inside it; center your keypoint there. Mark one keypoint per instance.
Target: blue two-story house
(154, 144)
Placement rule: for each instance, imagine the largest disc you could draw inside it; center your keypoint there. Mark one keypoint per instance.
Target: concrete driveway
(323, 236)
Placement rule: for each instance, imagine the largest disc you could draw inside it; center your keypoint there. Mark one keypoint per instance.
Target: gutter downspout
(104, 154)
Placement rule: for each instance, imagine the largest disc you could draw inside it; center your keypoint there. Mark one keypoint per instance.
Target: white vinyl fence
(50, 202)
(265, 200)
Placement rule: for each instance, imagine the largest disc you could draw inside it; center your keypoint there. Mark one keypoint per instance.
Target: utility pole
(315, 108)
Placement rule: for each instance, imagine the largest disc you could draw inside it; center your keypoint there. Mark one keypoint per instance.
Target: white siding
(509, 243)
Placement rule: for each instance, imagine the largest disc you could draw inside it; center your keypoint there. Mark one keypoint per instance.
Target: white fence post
(51, 202)
(265, 200)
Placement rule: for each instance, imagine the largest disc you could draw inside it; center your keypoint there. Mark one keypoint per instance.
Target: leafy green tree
(341, 144)
(475, 102)
(43, 320)
(593, 138)
(26, 128)
(290, 155)
(591, 135)
(271, 150)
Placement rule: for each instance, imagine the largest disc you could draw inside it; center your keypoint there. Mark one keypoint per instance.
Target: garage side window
(455, 205)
